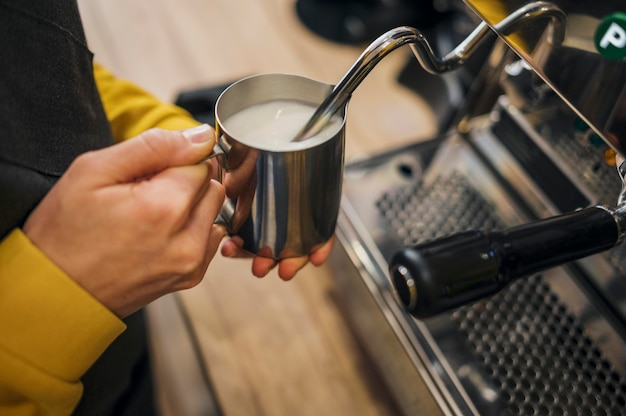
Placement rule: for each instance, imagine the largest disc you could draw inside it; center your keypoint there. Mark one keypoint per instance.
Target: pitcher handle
(220, 152)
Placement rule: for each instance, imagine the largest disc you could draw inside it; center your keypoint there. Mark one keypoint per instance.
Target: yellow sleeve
(131, 110)
(51, 332)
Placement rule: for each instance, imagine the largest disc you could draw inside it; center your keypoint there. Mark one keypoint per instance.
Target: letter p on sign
(615, 35)
(610, 37)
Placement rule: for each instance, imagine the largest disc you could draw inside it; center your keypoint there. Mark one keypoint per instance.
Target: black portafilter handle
(453, 271)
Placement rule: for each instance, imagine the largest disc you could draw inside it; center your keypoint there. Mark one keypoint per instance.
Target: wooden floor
(270, 347)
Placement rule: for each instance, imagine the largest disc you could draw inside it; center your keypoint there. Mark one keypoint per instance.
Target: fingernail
(198, 135)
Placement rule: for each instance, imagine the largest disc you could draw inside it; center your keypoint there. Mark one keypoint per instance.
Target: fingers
(197, 242)
(151, 152)
(210, 202)
(261, 266)
(232, 248)
(288, 268)
(217, 234)
(319, 256)
(202, 218)
(170, 196)
(263, 262)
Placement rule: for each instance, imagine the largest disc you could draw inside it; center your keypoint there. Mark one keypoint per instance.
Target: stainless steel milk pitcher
(285, 202)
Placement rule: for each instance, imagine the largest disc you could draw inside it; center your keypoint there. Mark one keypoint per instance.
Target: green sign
(610, 37)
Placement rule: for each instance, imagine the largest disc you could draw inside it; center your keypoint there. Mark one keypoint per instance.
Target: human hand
(134, 221)
(287, 268)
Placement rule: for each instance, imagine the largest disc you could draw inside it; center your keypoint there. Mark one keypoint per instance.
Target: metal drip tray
(538, 355)
(543, 346)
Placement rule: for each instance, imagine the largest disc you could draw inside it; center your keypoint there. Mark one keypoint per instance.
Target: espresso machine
(483, 269)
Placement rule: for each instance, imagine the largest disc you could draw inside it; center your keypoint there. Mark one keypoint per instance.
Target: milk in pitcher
(273, 125)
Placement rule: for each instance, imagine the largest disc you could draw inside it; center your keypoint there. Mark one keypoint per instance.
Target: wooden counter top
(271, 347)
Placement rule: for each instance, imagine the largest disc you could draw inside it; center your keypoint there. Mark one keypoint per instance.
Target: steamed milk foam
(273, 125)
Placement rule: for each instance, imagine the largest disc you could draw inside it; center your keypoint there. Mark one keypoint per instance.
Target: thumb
(156, 150)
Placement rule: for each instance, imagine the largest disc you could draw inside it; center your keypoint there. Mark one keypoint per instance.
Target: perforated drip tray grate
(448, 205)
(538, 355)
(535, 353)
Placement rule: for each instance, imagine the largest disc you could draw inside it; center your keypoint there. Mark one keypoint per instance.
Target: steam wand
(395, 38)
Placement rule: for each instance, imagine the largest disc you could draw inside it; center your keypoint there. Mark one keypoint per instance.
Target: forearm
(52, 332)
(132, 110)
